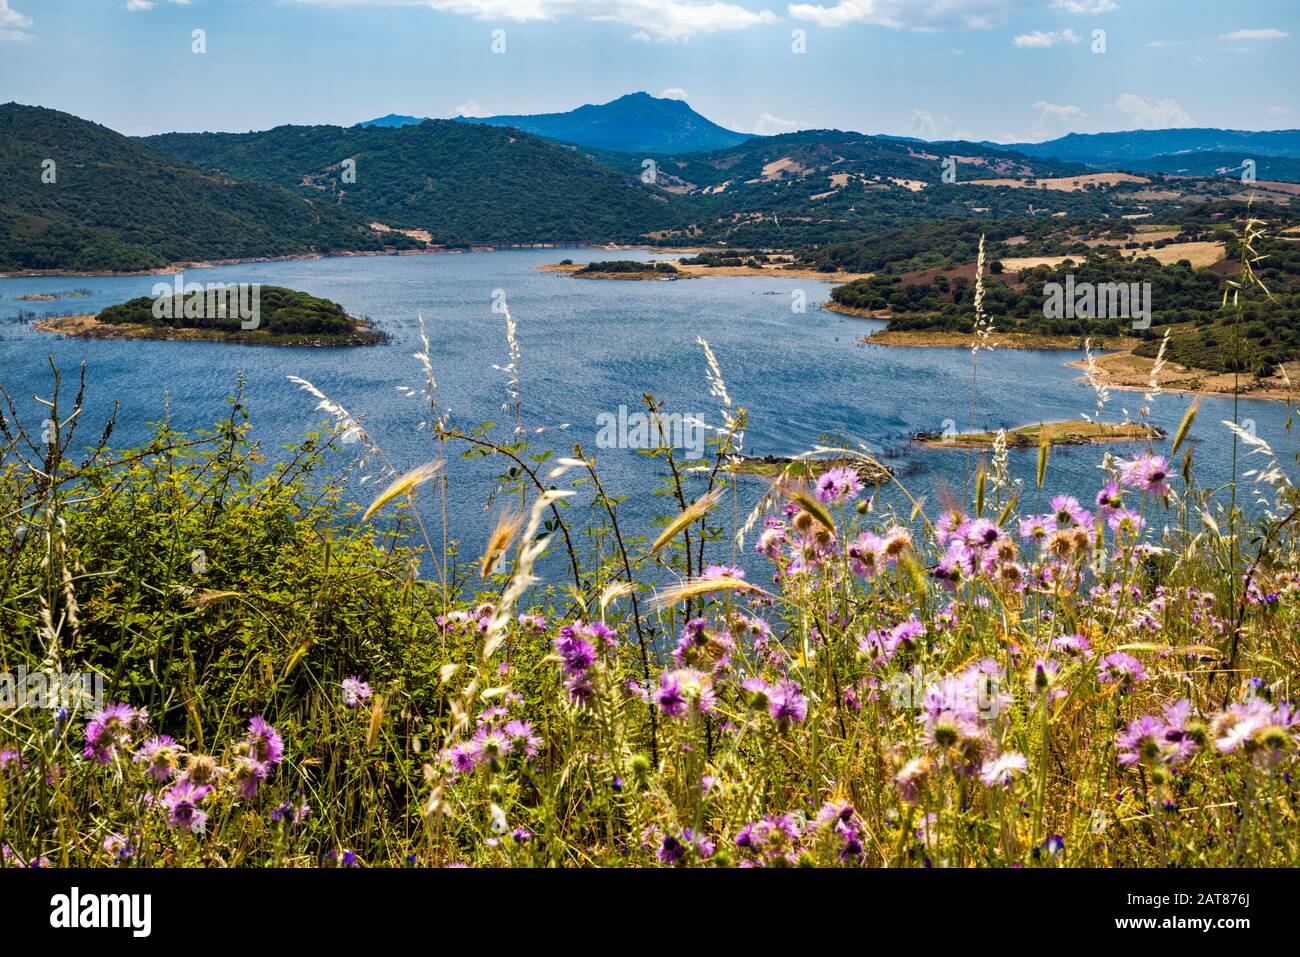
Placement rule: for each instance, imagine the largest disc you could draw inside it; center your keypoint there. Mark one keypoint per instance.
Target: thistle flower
(521, 734)
(181, 801)
(11, 761)
(1037, 526)
(161, 756)
(264, 742)
(1142, 742)
(786, 704)
(111, 729)
(1146, 472)
(1004, 769)
(1066, 511)
(463, 758)
(118, 848)
(1126, 522)
(839, 485)
(866, 555)
(721, 571)
(1121, 669)
(1109, 499)
(684, 691)
(355, 691)
(291, 813)
(757, 692)
(1072, 645)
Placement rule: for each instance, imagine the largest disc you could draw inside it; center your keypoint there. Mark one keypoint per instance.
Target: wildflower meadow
(296, 675)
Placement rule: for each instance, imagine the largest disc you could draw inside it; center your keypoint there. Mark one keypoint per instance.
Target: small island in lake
(617, 269)
(1056, 433)
(771, 466)
(248, 314)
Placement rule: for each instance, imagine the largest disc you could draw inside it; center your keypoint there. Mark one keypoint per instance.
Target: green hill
(637, 122)
(282, 312)
(464, 183)
(117, 204)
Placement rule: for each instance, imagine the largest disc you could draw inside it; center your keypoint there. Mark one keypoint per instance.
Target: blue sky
(984, 69)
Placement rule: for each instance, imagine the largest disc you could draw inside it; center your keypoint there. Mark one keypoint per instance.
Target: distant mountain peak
(392, 120)
(632, 123)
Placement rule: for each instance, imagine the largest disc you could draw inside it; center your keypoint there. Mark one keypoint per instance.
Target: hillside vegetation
(116, 204)
(464, 183)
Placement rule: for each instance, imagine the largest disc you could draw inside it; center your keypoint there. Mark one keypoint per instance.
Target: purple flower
(1126, 521)
(576, 652)
(1147, 472)
(181, 801)
(161, 757)
(1073, 645)
(1119, 668)
(11, 761)
(1142, 742)
(1037, 526)
(838, 485)
(867, 555)
(291, 813)
(722, 571)
(111, 729)
(786, 704)
(355, 691)
(264, 742)
(1066, 512)
(463, 758)
(682, 691)
(521, 733)
(946, 527)
(1109, 498)
(1002, 770)
(670, 850)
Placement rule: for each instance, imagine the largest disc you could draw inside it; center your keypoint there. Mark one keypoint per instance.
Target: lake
(587, 348)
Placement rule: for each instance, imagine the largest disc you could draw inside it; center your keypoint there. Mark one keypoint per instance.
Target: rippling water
(587, 347)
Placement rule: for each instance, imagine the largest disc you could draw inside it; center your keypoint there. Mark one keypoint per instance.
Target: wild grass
(295, 680)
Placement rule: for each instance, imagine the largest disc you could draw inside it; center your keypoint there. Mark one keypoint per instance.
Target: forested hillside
(112, 203)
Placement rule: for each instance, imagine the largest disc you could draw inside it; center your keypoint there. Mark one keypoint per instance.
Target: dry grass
(1063, 184)
(1199, 253)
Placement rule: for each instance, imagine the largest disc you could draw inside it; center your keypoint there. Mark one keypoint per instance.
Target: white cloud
(927, 125)
(654, 20)
(909, 14)
(1086, 6)
(1059, 109)
(1157, 44)
(13, 24)
(135, 6)
(769, 125)
(1152, 114)
(469, 108)
(1040, 40)
(1269, 34)
(1055, 119)
(674, 93)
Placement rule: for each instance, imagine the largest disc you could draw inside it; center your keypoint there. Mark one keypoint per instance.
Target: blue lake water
(587, 348)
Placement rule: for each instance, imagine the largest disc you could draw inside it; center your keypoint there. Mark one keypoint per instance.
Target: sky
(1001, 70)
